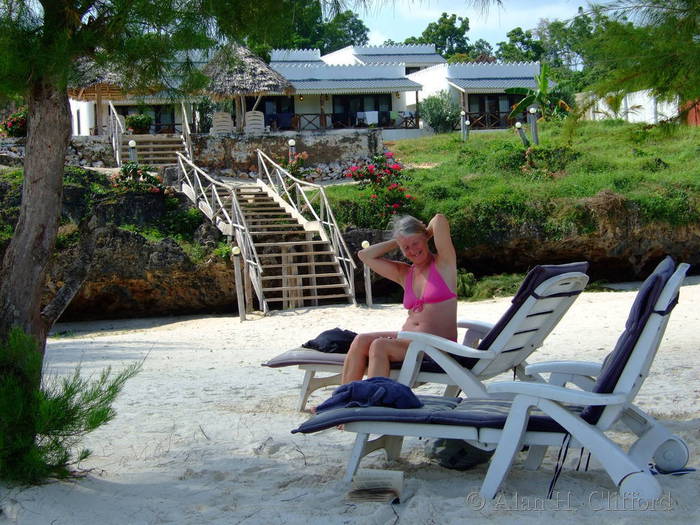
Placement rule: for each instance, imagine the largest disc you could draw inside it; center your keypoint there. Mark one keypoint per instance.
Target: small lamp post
(292, 150)
(368, 278)
(532, 119)
(466, 129)
(462, 125)
(521, 133)
(132, 151)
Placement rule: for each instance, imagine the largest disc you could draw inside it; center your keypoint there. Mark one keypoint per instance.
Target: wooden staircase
(154, 150)
(298, 266)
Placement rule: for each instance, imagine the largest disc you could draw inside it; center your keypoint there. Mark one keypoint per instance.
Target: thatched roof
(91, 80)
(235, 71)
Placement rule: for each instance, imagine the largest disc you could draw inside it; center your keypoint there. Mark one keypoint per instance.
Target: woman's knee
(361, 343)
(378, 349)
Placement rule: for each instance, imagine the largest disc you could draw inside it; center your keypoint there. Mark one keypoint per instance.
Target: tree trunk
(26, 259)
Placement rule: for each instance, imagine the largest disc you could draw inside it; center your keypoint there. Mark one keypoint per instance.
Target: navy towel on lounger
(336, 341)
(375, 391)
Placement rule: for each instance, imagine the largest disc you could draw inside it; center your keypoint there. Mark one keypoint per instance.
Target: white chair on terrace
(221, 123)
(254, 122)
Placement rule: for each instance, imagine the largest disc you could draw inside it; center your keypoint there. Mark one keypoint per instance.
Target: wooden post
(312, 270)
(236, 256)
(248, 289)
(368, 278)
(368, 285)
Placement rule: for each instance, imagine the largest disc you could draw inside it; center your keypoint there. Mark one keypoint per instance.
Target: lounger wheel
(641, 486)
(671, 455)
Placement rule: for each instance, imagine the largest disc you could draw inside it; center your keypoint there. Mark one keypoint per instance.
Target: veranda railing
(212, 197)
(309, 199)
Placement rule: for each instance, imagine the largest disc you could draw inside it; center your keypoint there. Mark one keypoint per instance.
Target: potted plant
(138, 124)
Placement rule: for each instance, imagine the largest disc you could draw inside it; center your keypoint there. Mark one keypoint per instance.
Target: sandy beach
(202, 433)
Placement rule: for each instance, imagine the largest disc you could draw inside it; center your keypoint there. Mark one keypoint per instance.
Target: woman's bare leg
(383, 352)
(357, 358)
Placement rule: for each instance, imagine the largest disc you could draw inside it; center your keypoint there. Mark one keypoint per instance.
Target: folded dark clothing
(375, 391)
(336, 341)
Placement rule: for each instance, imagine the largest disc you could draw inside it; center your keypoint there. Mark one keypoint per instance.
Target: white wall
(639, 106)
(433, 79)
(87, 116)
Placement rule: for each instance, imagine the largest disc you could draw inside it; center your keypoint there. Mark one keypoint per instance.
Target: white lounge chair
(254, 122)
(221, 123)
(541, 415)
(542, 300)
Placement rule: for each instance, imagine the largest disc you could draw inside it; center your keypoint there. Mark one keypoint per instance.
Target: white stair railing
(116, 131)
(186, 135)
(210, 196)
(317, 206)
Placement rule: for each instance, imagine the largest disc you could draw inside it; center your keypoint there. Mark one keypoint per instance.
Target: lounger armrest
(446, 345)
(554, 393)
(477, 326)
(580, 368)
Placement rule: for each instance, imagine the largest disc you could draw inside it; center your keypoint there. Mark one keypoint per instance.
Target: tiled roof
(492, 83)
(374, 85)
(422, 58)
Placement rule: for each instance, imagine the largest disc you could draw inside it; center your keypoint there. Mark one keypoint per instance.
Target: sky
(400, 19)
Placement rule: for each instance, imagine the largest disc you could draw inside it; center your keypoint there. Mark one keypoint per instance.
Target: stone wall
(235, 155)
(93, 151)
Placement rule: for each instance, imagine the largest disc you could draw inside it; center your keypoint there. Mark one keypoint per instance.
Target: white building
(478, 88)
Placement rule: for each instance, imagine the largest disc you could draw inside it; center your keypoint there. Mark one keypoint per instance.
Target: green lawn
(490, 187)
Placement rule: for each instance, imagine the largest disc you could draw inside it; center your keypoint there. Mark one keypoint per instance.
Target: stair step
(300, 264)
(274, 226)
(289, 243)
(305, 287)
(301, 275)
(307, 298)
(280, 232)
(280, 212)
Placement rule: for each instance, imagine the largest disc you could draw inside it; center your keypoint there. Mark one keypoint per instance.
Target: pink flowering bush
(384, 177)
(383, 169)
(16, 124)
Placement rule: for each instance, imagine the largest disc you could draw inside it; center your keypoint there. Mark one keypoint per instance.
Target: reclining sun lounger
(541, 415)
(541, 301)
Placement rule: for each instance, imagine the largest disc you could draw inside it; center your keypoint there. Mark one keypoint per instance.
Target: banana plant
(540, 96)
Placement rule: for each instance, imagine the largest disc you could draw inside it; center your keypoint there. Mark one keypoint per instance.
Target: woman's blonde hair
(403, 225)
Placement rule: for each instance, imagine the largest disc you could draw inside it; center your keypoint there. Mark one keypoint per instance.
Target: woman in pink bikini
(429, 296)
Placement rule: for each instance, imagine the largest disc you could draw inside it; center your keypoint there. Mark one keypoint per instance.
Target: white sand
(202, 434)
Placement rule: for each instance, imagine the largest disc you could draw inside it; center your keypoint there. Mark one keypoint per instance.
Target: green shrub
(140, 123)
(42, 426)
(550, 159)
(178, 221)
(441, 112)
(136, 177)
(473, 289)
(16, 124)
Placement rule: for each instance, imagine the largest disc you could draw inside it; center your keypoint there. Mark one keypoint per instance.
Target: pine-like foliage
(41, 427)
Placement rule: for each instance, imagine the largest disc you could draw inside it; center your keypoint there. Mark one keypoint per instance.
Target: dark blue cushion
(478, 413)
(339, 416)
(642, 308)
(533, 279)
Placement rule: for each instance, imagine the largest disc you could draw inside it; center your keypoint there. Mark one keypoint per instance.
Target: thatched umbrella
(235, 72)
(92, 82)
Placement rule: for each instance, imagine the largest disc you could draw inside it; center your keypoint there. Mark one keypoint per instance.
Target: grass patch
(491, 188)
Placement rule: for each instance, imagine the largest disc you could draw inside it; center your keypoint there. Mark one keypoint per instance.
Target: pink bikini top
(434, 291)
